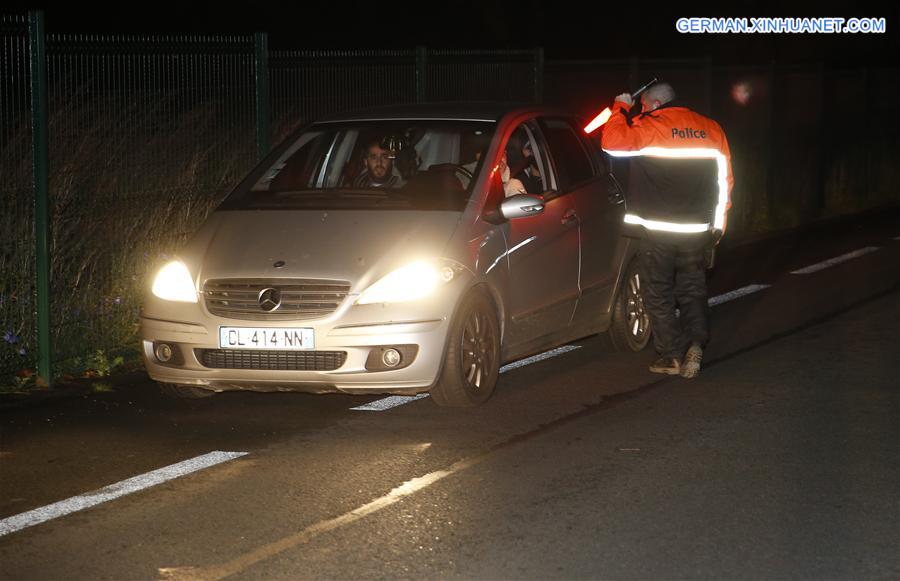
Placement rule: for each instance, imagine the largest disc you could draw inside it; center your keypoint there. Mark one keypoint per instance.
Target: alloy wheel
(638, 318)
(479, 349)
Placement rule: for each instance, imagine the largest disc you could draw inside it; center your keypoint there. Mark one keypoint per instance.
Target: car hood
(355, 246)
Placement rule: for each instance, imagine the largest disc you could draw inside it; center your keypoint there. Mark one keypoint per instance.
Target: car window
(296, 169)
(384, 164)
(599, 158)
(569, 154)
(543, 160)
(525, 157)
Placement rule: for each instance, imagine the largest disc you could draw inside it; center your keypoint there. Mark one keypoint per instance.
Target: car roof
(468, 111)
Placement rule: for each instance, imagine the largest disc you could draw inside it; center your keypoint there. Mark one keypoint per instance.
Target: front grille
(300, 298)
(275, 360)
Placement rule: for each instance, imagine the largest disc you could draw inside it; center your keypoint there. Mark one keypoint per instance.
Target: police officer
(679, 191)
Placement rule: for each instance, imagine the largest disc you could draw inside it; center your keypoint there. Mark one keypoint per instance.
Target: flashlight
(637, 93)
(598, 121)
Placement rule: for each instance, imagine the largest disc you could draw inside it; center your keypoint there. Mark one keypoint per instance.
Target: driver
(379, 169)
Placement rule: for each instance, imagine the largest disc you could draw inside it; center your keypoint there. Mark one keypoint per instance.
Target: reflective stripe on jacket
(680, 173)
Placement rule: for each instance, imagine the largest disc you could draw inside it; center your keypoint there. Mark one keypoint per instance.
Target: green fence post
(262, 94)
(41, 176)
(539, 74)
(421, 71)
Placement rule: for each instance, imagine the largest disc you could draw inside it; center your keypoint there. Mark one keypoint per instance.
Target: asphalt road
(782, 460)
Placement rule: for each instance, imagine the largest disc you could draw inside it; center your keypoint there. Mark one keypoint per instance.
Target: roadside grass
(126, 190)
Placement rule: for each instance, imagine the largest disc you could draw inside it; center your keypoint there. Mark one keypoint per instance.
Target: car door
(600, 207)
(543, 258)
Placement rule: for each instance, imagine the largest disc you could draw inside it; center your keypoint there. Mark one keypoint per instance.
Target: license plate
(266, 338)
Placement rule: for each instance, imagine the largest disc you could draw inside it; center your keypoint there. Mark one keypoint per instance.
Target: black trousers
(674, 277)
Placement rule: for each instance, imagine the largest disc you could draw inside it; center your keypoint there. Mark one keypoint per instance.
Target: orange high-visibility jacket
(680, 172)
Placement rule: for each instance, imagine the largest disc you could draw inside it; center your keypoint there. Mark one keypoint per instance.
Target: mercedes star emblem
(269, 299)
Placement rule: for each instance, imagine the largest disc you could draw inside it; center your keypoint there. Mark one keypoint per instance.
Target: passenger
(379, 169)
(526, 171)
(511, 185)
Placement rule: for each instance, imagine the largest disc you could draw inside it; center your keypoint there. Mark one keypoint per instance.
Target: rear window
(569, 153)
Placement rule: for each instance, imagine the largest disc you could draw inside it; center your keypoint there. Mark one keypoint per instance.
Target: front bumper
(356, 339)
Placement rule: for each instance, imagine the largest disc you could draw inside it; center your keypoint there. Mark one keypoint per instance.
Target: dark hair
(514, 156)
(522, 164)
(370, 142)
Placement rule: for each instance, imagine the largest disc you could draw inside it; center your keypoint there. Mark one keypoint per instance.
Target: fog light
(391, 358)
(163, 352)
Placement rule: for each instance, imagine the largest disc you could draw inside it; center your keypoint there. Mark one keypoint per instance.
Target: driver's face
(378, 162)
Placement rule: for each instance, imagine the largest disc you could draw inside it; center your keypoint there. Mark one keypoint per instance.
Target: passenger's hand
(626, 98)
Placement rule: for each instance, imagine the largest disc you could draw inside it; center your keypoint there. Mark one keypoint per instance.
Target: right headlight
(174, 283)
(414, 281)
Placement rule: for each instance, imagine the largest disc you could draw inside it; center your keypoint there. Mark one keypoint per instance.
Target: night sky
(566, 29)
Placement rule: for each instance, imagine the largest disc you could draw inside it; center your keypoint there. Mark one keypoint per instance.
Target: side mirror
(521, 206)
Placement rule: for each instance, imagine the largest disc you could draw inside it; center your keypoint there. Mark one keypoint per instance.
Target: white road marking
(113, 491)
(243, 562)
(538, 357)
(836, 260)
(379, 405)
(737, 293)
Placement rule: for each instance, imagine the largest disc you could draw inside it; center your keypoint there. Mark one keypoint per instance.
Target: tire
(184, 391)
(630, 329)
(472, 361)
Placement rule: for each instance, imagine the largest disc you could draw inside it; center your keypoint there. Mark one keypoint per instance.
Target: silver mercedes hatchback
(400, 250)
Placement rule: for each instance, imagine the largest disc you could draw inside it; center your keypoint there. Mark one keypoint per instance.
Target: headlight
(411, 282)
(174, 283)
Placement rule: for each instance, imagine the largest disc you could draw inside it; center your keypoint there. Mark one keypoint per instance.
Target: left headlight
(173, 283)
(413, 281)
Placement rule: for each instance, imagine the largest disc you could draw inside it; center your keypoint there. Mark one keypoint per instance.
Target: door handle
(569, 216)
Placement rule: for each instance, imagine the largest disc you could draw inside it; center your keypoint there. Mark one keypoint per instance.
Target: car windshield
(422, 165)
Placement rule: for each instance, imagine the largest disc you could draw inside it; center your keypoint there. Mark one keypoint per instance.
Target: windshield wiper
(286, 193)
(345, 193)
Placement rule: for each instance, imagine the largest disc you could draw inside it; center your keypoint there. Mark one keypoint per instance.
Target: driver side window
(524, 163)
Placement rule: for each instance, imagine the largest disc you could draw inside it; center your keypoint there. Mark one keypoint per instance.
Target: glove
(626, 98)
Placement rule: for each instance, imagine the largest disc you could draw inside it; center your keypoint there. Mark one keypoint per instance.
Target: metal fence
(17, 266)
(310, 84)
(307, 85)
(508, 75)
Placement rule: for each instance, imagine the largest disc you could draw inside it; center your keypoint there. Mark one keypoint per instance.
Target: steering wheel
(460, 169)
